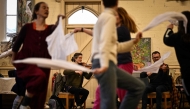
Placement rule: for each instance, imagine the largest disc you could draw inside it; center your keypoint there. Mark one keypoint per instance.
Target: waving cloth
(6, 53)
(60, 45)
(155, 67)
(55, 42)
(70, 44)
(168, 16)
(53, 64)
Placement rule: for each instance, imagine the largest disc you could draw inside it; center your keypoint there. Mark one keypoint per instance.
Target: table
(6, 85)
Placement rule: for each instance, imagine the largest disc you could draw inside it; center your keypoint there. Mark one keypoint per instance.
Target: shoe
(24, 107)
(15, 105)
(79, 107)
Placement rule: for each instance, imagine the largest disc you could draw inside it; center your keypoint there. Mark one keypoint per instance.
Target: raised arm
(87, 31)
(169, 36)
(56, 23)
(123, 47)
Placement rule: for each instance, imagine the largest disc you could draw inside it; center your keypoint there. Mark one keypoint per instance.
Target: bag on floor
(55, 103)
(59, 84)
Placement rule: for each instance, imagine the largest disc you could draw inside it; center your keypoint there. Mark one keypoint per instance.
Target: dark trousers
(185, 81)
(77, 93)
(158, 89)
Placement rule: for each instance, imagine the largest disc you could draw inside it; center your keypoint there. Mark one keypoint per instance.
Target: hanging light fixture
(82, 8)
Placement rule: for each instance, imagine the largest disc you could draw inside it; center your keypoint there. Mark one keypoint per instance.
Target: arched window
(82, 17)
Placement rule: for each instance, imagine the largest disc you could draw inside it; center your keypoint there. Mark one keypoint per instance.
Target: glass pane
(81, 16)
(11, 7)
(11, 24)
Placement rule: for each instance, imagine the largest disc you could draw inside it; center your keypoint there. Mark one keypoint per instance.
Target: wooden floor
(8, 99)
(186, 106)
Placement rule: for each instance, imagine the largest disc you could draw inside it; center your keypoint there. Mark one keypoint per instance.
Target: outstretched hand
(77, 30)
(58, 18)
(138, 37)
(79, 72)
(171, 26)
(100, 70)
(149, 73)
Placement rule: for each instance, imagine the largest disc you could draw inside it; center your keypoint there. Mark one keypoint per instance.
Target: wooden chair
(68, 96)
(172, 95)
(165, 95)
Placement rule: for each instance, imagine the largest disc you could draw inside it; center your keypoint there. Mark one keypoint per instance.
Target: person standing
(181, 43)
(125, 24)
(104, 61)
(32, 38)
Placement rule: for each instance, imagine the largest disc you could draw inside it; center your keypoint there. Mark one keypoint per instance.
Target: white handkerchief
(6, 53)
(60, 45)
(70, 44)
(53, 64)
(155, 67)
(166, 17)
(56, 42)
(174, 22)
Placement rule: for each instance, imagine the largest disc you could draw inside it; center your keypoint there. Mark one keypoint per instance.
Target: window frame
(77, 17)
(6, 20)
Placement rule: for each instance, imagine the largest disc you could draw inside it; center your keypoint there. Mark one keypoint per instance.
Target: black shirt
(182, 50)
(160, 78)
(123, 35)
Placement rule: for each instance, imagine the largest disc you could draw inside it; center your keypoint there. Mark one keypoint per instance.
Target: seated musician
(75, 80)
(159, 82)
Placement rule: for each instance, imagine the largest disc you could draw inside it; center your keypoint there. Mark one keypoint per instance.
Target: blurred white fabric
(54, 64)
(155, 66)
(60, 45)
(6, 53)
(167, 16)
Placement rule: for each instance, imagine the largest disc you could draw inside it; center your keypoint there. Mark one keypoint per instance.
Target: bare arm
(126, 46)
(56, 23)
(87, 31)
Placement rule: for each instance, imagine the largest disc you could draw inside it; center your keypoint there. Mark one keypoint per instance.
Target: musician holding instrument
(74, 81)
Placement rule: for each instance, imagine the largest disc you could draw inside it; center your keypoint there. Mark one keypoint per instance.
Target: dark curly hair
(75, 56)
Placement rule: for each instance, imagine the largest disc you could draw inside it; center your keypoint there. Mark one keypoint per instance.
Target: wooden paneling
(84, 42)
(73, 6)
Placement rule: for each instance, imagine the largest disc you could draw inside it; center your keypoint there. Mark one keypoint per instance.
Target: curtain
(22, 16)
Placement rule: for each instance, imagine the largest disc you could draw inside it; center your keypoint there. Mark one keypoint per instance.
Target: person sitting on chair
(74, 81)
(159, 82)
